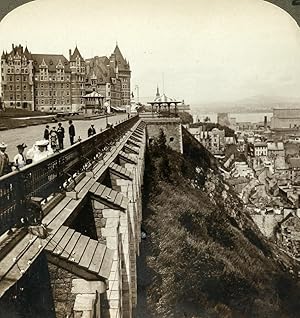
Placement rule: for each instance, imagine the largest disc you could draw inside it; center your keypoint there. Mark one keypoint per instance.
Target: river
(29, 135)
(254, 117)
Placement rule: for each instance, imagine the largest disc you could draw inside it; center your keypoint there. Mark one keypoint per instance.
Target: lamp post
(138, 92)
(106, 105)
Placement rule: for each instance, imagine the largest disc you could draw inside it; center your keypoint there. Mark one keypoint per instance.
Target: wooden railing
(53, 174)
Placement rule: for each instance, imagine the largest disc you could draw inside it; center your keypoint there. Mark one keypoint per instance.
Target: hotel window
(42, 93)
(62, 85)
(18, 96)
(11, 87)
(18, 87)
(26, 70)
(24, 87)
(18, 78)
(24, 97)
(42, 101)
(11, 97)
(24, 78)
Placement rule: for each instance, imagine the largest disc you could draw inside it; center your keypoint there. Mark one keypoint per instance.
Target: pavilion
(163, 104)
(94, 102)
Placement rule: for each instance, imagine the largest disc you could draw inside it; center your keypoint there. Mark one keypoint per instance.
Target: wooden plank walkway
(131, 149)
(17, 261)
(127, 157)
(110, 197)
(78, 250)
(120, 171)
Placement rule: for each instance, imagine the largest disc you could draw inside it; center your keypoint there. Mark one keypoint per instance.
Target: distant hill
(251, 104)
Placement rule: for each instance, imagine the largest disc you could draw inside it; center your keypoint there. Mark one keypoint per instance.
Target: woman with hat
(5, 166)
(41, 151)
(20, 159)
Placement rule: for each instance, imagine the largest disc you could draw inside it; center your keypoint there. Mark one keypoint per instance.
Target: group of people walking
(56, 136)
(53, 141)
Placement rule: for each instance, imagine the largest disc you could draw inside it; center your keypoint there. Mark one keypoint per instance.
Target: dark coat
(60, 132)
(72, 130)
(46, 134)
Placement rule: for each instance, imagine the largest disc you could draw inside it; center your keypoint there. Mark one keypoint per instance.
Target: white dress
(19, 161)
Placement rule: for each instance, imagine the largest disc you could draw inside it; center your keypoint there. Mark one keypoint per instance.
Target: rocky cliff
(204, 255)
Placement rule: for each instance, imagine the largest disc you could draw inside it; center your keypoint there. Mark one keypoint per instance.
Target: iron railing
(52, 174)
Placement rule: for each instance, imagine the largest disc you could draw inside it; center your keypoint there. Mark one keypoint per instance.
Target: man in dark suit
(60, 136)
(46, 133)
(71, 132)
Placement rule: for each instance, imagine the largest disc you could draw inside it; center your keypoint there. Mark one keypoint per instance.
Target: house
(275, 149)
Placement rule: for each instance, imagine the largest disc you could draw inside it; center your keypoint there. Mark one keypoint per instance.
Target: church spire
(157, 91)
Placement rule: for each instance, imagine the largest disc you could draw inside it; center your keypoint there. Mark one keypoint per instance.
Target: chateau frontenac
(53, 83)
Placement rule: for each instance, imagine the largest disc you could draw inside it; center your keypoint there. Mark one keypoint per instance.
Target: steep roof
(75, 54)
(119, 60)
(17, 50)
(52, 60)
(100, 67)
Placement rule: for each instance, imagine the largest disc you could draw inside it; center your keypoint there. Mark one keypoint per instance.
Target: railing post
(20, 199)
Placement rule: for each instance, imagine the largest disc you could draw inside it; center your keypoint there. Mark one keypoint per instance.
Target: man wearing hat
(20, 159)
(91, 131)
(60, 136)
(4, 160)
(46, 133)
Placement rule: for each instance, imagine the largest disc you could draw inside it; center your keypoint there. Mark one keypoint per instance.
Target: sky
(206, 51)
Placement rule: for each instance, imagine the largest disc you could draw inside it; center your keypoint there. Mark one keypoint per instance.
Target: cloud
(207, 50)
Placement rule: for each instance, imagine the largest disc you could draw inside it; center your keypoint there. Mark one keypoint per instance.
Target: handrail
(48, 176)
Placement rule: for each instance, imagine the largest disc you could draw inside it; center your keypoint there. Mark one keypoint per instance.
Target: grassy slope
(208, 259)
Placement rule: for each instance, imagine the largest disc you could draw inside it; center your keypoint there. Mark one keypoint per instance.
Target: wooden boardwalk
(20, 257)
(109, 196)
(77, 252)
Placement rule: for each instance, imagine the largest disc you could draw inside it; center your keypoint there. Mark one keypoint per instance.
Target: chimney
(70, 54)
(265, 122)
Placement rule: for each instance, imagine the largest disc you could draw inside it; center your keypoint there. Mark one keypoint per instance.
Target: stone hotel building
(52, 83)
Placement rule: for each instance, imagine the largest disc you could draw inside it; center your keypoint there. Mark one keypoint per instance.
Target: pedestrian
(71, 132)
(53, 139)
(60, 135)
(41, 152)
(91, 131)
(20, 159)
(4, 160)
(46, 133)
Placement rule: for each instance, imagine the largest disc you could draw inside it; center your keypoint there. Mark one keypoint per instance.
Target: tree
(207, 119)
